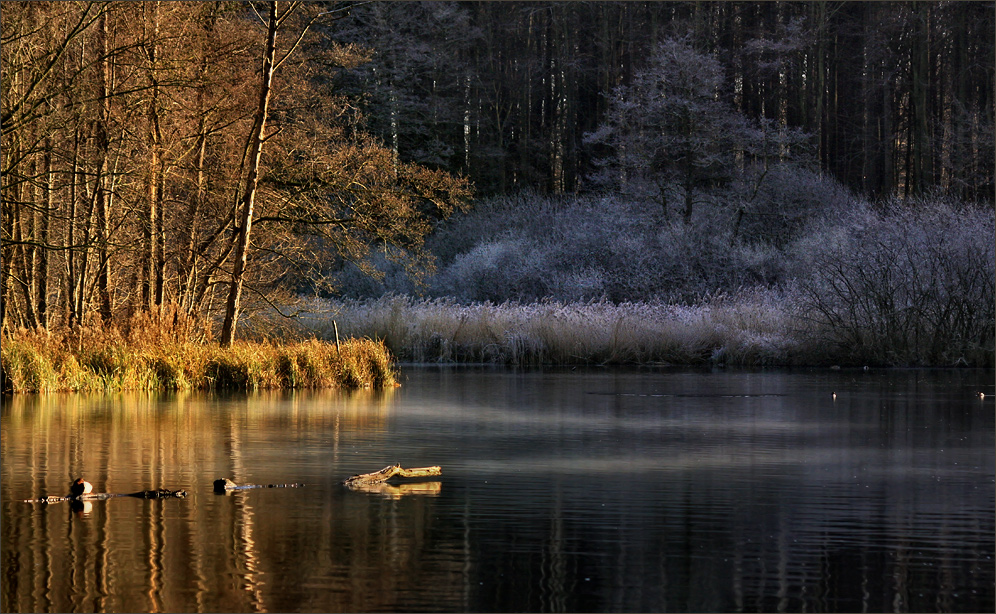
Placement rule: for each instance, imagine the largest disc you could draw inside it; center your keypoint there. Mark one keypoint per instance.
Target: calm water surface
(561, 491)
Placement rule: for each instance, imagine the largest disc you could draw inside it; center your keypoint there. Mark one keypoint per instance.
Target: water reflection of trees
(158, 555)
(678, 537)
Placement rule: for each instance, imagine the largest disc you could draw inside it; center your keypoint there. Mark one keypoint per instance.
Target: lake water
(587, 490)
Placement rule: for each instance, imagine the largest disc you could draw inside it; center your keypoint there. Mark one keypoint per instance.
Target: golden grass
(156, 354)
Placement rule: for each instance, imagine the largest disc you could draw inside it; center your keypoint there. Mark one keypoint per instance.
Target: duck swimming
(80, 487)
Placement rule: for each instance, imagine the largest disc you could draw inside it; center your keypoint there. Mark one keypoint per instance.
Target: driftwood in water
(227, 485)
(365, 479)
(159, 493)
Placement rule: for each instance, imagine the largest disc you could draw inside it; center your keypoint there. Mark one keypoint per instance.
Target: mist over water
(562, 490)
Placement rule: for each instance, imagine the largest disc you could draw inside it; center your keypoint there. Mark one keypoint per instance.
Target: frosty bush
(524, 214)
(776, 205)
(911, 285)
(591, 247)
(350, 281)
(495, 270)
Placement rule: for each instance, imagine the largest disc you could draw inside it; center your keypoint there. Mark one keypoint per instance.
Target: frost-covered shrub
(912, 284)
(530, 247)
(496, 270)
(521, 214)
(689, 261)
(776, 205)
(352, 282)
(760, 265)
(579, 285)
(591, 247)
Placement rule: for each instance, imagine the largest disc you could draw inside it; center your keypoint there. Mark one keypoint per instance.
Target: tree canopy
(139, 144)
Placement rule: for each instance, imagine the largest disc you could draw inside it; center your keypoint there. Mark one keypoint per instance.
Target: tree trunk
(871, 118)
(188, 257)
(252, 180)
(72, 317)
(102, 192)
(46, 206)
(23, 233)
(151, 280)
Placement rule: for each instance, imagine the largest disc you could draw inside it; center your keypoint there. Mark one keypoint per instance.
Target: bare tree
(273, 23)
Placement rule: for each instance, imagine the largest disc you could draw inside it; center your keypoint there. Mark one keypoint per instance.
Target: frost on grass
(555, 332)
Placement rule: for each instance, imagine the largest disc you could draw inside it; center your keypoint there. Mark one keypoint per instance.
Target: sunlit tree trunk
(102, 187)
(189, 257)
(252, 180)
(152, 274)
(72, 279)
(46, 206)
(23, 271)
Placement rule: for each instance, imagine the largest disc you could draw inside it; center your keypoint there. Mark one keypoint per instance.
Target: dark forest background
(893, 97)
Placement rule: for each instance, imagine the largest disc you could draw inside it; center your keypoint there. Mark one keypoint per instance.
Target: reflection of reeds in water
(182, 418)
(325, 409)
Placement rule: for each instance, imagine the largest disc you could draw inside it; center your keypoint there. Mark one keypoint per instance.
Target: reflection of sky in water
(578, 491)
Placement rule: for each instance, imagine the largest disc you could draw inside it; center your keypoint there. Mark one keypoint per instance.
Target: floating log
(389, 472)
(227, 485)
(159, 493)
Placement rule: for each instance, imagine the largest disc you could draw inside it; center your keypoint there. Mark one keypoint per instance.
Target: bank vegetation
(167, 351)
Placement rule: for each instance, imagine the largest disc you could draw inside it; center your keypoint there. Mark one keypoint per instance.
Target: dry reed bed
(37, 361)
(741, 332)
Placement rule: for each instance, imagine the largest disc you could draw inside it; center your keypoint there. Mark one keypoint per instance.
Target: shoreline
(36, 362)
(757, 329)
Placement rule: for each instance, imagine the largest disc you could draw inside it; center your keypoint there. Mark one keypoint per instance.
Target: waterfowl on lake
(80, 487)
